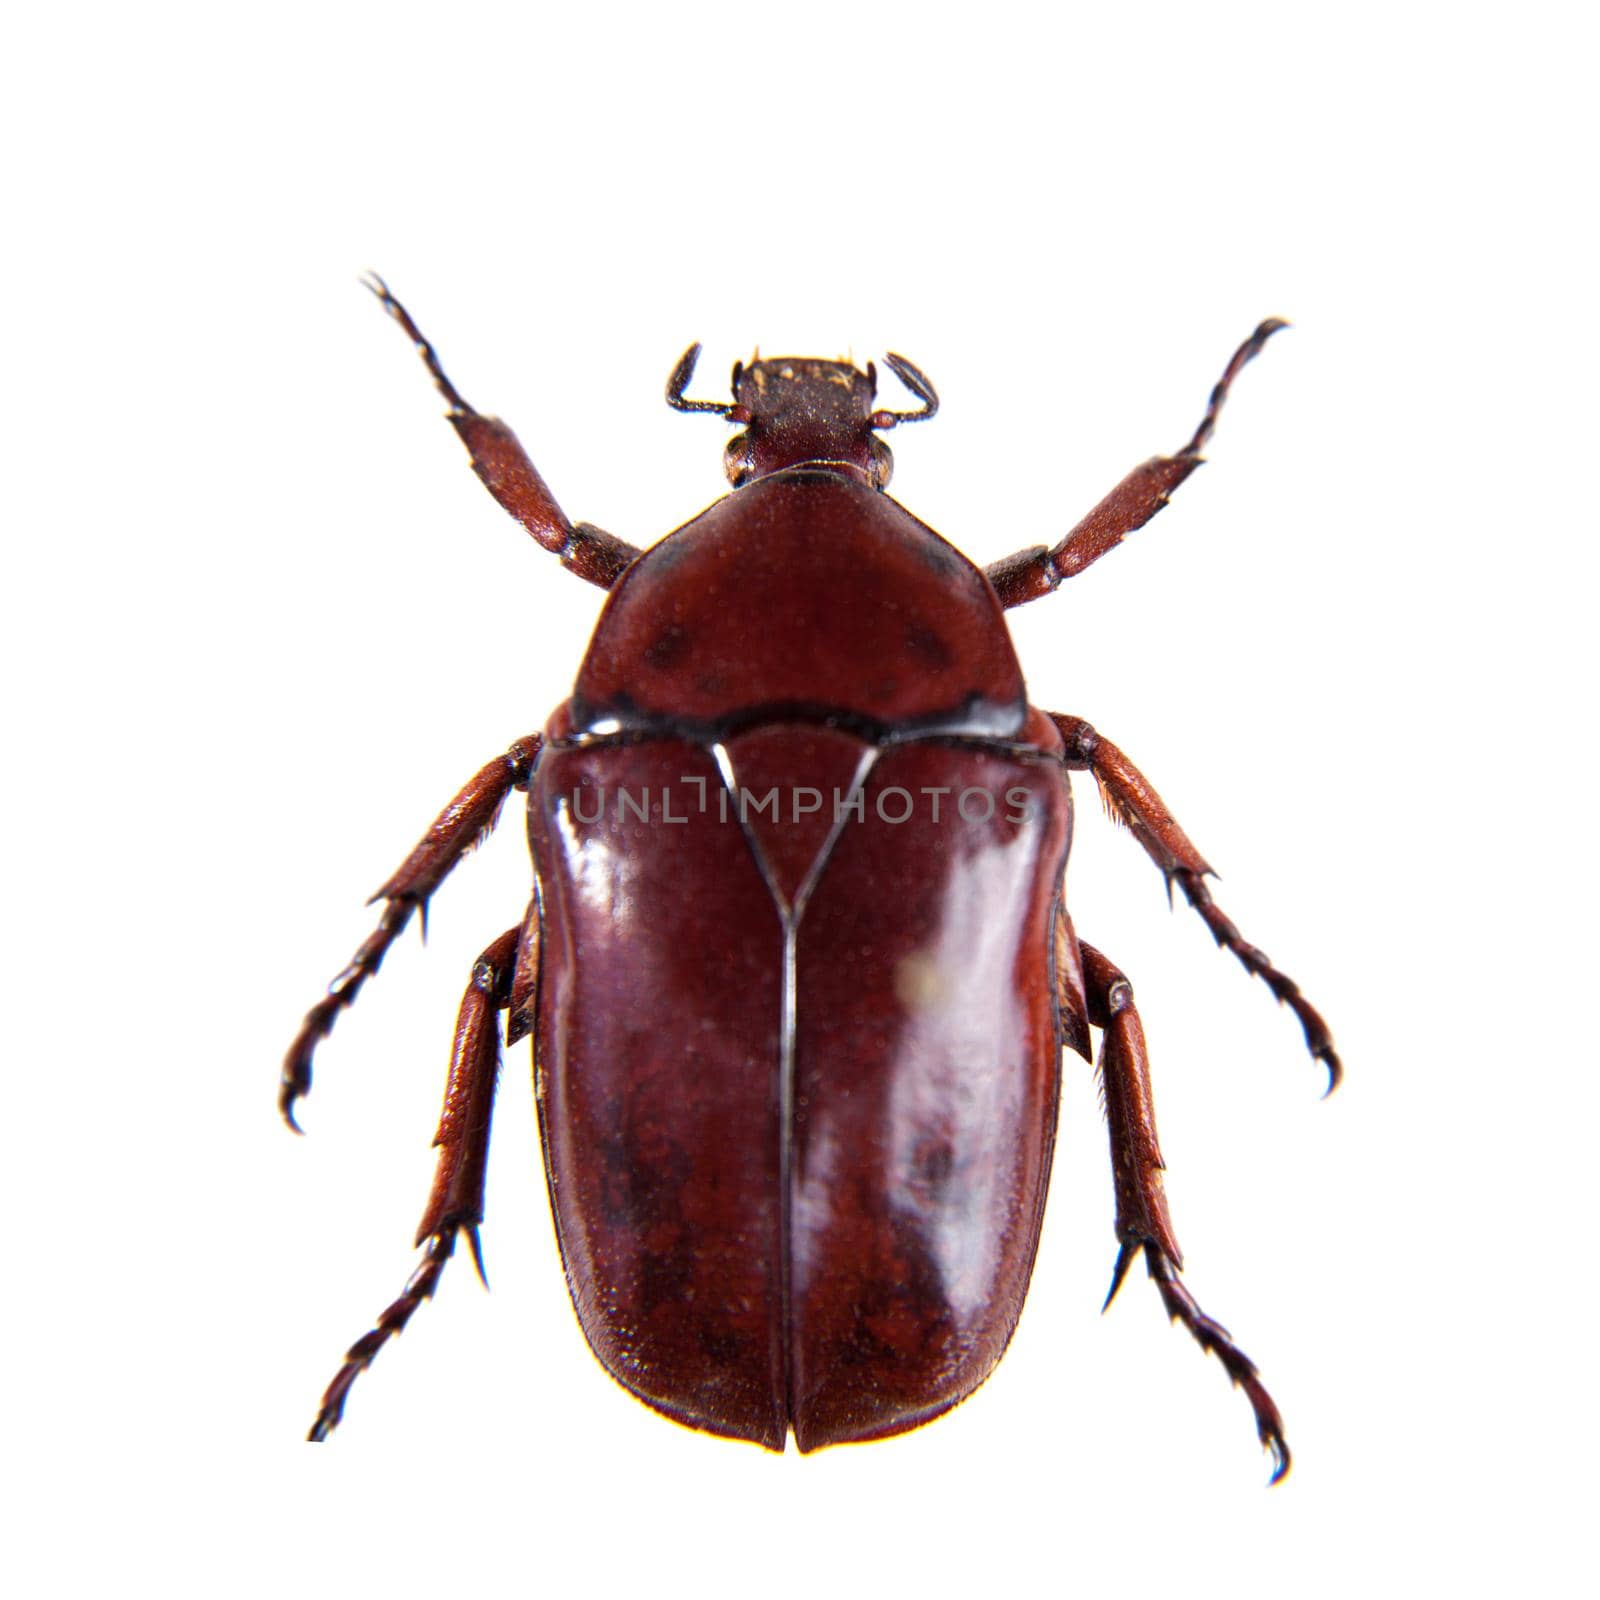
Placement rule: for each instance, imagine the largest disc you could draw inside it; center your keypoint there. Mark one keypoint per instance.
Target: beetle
(797, 1065)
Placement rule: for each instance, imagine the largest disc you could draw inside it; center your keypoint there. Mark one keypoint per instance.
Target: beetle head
(798, 411)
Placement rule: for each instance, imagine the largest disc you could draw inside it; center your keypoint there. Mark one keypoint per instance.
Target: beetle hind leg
(455, 1205)
(1143, 1222)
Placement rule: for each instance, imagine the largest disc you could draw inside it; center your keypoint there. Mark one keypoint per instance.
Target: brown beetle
(797, 1064)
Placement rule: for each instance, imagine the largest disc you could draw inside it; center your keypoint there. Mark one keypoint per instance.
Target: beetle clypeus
(797, 1064)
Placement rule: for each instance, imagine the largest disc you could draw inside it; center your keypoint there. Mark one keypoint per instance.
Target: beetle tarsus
(295, 1080)
(1215, 1340)
(1319, 1041)
(458, 406)
(419, 1287)
(1246, 353)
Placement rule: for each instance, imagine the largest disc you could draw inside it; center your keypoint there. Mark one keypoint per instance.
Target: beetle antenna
(917, 382)
(679, 381)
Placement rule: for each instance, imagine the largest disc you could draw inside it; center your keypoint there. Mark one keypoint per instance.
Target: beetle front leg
(1132, 800)
(1031, 574)
(500, 461)
(461, 825)
(1143, 1222)
(455, 1204)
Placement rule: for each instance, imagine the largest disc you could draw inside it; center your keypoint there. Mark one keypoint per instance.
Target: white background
(260, 622)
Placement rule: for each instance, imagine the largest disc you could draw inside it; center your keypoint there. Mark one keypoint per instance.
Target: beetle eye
(736, 459)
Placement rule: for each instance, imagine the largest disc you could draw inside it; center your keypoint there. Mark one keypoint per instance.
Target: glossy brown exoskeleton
(797, 964)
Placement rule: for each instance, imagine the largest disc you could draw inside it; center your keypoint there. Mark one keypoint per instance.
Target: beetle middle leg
(462, 824)
(1131, 798)
(455, 1205)
(500, 461)
(1031, 574)
(1143, 1222)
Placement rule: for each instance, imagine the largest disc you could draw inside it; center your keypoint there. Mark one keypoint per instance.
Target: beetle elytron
(797, 1061)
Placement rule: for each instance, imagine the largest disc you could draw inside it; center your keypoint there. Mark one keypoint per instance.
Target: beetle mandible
(797, 1065)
